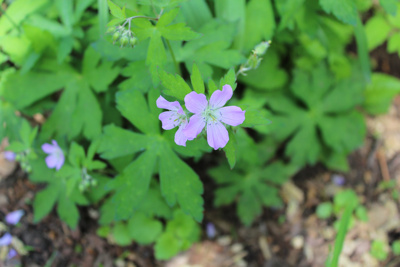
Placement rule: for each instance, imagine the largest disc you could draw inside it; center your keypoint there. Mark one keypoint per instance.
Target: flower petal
(14, 217)
(169, 119)
(163, 103)
(195, 102)
(51, 161)
(5, 240)
(180, 138)
(231, 115)
(9, 155)
(11, 254)
(60, 161)
(217, 135)
(194, 127)
(47, 148)
(219, 98)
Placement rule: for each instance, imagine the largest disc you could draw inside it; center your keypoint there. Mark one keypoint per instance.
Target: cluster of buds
(87, 181)
(21, 157)
(255, 58)
(122, 36)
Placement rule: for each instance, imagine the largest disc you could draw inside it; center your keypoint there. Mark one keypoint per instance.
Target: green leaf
(115, 10)
(394, 43)
(396, 247)
(117, 142)
(179, 183)
(259, 24)
(380, 93)
(156, 54)
(138, 75)
(389, 6)
(339, 140)
(133, 106)
(197, 81)
(379, 250)
(196, 13)
(377, 30)
(143, 229)
(133, 185)
(44, 201)
(344, 10)
(120, 233)
(233, 11)
(68, 211)
(24, 90)
(174, 85)
(229, 78)
(362, 213)
(253, 118)
(230, 149)
(324, 210)
(181, 232)
(362, 49)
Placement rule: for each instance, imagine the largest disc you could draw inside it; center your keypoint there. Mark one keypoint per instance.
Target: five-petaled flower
(55, 159)
(172, 118)
(211, 115)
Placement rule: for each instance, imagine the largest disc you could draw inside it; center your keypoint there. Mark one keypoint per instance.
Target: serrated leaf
(133, 185)
(197, 80)
(179, 183)
(377, 30)
(230, 149)
(68, 211)
(258, 12)
(229, 78)
(115, 10)
(254, 118)
(44, 201)
(344, 10)
(380, 93)
(174, 85)
(117, 142)
(133, 106)
(120, 233)
(143, 229)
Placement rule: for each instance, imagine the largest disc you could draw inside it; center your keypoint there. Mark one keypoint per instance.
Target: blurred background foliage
(61, 72)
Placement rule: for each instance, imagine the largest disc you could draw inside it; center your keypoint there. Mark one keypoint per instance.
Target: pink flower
(211, 115)
(55, 159)
(173, 118)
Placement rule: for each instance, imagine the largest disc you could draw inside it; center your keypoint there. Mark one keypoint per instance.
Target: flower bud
(93, 183)
(124, 41)
(111, 29)
(133, 41)
(116, 36)
(261, 48)
(253, 61)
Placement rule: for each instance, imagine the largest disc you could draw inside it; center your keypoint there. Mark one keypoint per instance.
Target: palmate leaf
(212, 49)
(318, 131)
(178, 182)
(156, 54)
(78, 98)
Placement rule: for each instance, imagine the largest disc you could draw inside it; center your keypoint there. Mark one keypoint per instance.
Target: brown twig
(383, 165)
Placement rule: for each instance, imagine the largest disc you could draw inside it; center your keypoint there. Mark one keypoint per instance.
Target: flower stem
(178, 70)
(137, 17)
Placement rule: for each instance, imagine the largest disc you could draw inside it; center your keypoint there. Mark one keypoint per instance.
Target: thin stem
(178, 70)
(137, 17)
(154, 8)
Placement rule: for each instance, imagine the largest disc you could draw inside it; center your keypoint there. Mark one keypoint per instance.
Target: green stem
(178, 70)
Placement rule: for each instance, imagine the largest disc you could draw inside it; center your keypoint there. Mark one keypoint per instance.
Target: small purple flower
(210, 230)
(11, 254)
(338, 179)
(14, 217)
(9, 155)
(211, 115)
(5, 240)
(56, 156)
(172, 118)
